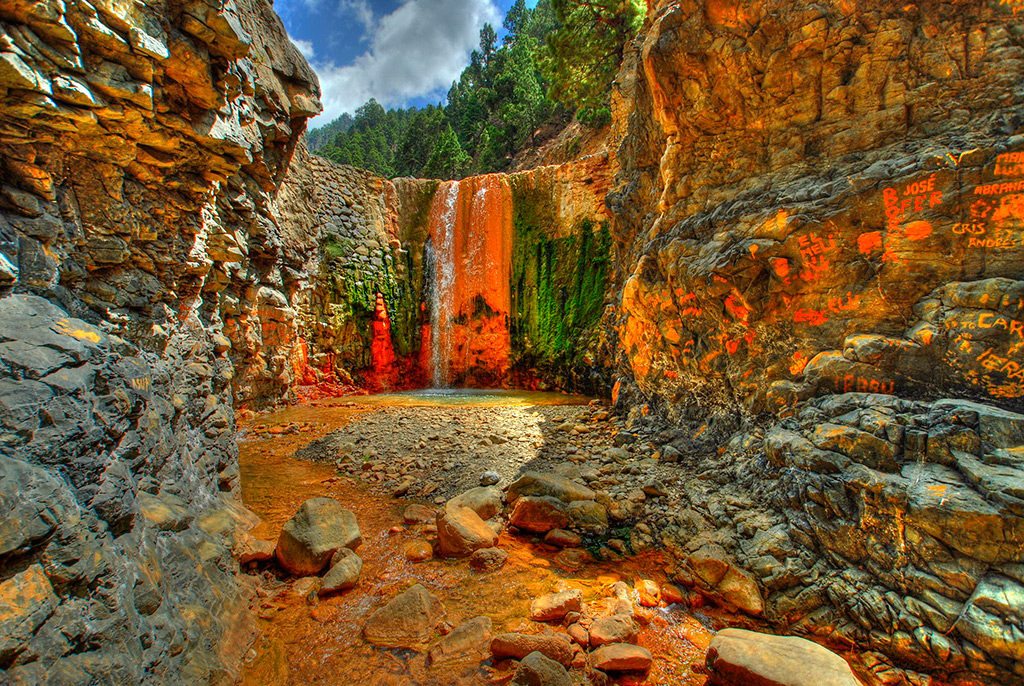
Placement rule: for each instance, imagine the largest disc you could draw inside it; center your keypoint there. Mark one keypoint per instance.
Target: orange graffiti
(691, 310)
(844, 303)
(1009, 164)
(808, 316)
(916, 197)
(990, 361)
(780, 265)
(869, 242)
(814, 251)
(918, 230)
(852, 383)
(999, 188)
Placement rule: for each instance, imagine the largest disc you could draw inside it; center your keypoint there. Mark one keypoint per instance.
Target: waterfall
(470, 261)
(441, 310)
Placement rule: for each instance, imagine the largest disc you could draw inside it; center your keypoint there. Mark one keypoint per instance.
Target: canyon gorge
(794, 275)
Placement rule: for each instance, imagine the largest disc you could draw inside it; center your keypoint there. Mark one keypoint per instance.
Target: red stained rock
(555, 606)
(517, 646)
(621, 657)
(538, 514)
(460, 531)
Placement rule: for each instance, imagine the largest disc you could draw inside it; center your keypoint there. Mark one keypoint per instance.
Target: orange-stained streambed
(319, 642)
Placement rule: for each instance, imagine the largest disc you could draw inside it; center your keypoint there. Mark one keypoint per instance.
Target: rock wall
(818, 226)
(533, 320)
(821, 199)
(143, 272)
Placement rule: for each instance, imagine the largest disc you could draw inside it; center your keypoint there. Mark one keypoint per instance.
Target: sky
(401, 52)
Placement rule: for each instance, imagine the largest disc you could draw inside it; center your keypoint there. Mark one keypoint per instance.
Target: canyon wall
(819, 232)
(143, 277)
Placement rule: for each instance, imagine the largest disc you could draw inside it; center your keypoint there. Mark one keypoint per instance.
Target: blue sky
(401, 52)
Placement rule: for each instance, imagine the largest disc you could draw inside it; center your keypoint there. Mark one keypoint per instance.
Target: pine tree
(447, 160)
(586, 48)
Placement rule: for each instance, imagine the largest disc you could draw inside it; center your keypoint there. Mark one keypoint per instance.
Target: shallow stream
(303, 640)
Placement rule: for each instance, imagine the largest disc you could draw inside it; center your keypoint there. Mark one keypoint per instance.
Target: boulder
(417, 514)
(319, 528)
(538, 670)
(555, 606)
(418, 550)
(461, 530)
(488, 559)
(615, 629)
(539, 514)
(714, 571)
(621, 657)
(588, 516)
(407, 621)
(648, 593)
(550, 485)
(563, 539)
(485, 501)
(746, 658)
(466, 646)
(558, 647)
(254, 550)
(344, 573)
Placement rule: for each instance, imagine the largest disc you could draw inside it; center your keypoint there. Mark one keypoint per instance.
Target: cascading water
(470, 249)
(443, 242)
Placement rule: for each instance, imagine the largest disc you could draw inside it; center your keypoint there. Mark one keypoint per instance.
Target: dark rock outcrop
(142, 271)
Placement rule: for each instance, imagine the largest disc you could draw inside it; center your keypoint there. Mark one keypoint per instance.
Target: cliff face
(493, 281)
(818, 223)
(141, 147)
(821, 199)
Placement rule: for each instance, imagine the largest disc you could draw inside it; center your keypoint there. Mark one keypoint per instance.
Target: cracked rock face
(821, 199)
(141, 147)
(819, 233)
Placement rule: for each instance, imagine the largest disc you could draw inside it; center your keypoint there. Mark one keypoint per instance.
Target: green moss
(558, 288)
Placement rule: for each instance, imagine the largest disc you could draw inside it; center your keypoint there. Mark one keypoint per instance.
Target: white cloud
(416, 50)
(304, 47)
(361, 10)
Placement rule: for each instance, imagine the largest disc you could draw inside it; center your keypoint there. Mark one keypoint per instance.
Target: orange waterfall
(471, 244)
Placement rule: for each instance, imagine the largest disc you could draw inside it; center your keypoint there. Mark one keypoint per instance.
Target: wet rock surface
(141, 147)
(116, 472)
(310, 539)
(407, 621)
(738, 658)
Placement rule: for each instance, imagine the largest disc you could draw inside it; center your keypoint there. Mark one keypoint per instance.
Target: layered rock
(144, 283)
(817, 215)
(828, 193)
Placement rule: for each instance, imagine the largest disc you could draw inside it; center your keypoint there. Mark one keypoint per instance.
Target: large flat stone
(746, 658)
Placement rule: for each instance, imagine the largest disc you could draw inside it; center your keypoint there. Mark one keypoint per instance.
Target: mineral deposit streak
(471, 237)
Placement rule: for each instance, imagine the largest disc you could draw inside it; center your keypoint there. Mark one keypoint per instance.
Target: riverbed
(308, 640)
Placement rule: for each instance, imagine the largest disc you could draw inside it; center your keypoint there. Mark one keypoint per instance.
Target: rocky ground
(570, 484)
(858, 507)
(438, 452)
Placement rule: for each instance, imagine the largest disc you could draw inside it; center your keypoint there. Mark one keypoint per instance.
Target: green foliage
(558, 288)
(586, 48)
(447, 160)
(319, 138)
(561, 51)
